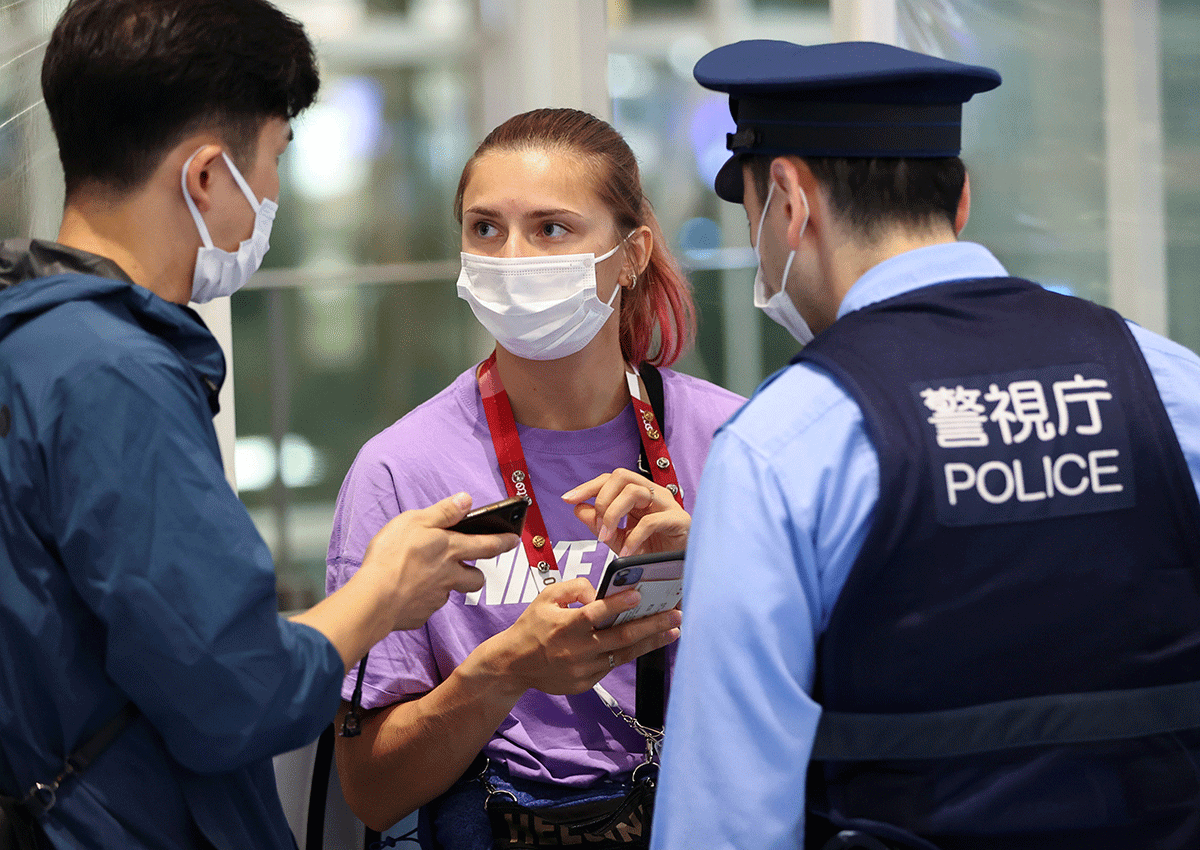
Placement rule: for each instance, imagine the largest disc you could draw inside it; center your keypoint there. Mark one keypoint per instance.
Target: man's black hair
(872, 194)
(125, 80)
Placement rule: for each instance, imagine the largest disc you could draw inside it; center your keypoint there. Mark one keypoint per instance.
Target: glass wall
(1180, 27)
(354, 319)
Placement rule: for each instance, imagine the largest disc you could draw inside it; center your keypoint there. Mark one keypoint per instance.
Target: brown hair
(662, 297)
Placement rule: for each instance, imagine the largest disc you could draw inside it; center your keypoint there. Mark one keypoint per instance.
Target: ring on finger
(611, 661)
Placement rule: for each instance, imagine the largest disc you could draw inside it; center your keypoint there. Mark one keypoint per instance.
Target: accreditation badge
(1026, 445)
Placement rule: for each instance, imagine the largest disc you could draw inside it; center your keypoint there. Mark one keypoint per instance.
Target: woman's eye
(484, 229)
(552, 229)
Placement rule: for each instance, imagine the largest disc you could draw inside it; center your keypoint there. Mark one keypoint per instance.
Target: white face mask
(538, 308)
(218, 272)
(779, 307)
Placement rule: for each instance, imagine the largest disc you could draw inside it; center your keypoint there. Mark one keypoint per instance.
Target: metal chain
(654, 737)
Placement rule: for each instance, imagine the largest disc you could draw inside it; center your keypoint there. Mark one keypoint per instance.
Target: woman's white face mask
(538, 308)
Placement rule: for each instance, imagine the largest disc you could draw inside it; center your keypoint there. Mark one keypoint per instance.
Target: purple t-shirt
(443, 447)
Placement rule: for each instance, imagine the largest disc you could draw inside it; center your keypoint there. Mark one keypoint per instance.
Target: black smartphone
(504, 517)
(658, 577)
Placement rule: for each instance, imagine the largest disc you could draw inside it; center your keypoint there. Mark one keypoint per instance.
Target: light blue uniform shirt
(784, 505)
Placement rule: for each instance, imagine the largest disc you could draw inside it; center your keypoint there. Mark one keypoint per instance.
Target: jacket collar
(67, 274)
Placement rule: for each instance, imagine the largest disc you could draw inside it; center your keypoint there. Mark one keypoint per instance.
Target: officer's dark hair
(125, 80)
(872, 194)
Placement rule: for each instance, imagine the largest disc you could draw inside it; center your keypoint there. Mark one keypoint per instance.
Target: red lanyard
(496, 406)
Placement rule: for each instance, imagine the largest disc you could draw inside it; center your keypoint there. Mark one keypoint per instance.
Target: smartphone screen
(657, 577)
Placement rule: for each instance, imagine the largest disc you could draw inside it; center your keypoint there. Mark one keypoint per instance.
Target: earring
(632, 280)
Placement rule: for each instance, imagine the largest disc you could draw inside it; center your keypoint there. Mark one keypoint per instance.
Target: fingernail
(672, 635)
(567, 495)
(603, 535)
(461, 500)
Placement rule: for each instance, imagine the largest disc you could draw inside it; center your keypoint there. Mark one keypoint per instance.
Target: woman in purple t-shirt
(565, 265)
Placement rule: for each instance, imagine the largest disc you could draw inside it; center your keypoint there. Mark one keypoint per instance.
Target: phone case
(657, 577)
(504, 517)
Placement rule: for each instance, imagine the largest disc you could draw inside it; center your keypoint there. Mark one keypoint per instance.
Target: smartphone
(658, 577)
(504, 517)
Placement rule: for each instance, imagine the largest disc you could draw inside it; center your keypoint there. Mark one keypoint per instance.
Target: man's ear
(964, 206)
(797, 194)
(198, 178)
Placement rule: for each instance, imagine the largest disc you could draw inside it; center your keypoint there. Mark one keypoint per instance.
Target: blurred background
(1085, 168)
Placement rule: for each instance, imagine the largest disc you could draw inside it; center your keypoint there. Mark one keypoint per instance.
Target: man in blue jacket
(130, 573)
(958, 603)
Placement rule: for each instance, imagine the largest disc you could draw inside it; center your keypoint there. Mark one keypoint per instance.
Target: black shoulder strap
(43, 796)
(650, 702)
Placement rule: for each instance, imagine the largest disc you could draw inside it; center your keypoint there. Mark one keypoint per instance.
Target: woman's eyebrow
(546, 213)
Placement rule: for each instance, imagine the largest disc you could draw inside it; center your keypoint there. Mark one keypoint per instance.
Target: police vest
(1013, 662)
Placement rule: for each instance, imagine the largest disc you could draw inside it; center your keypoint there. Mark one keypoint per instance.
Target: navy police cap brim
(890, 101)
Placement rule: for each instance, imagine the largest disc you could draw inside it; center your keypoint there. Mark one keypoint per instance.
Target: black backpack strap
(650, 700)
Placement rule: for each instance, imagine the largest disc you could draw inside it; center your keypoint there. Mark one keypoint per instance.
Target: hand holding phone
(658, 577)
(504, 517)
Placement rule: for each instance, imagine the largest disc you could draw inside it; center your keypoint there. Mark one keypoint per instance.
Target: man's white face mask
(219, 273)
(779, 307)
(538, 308)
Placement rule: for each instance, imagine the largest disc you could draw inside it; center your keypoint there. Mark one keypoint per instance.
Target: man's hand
(425, 560)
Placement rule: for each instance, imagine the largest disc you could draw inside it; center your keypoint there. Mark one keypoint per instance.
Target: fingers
(472, 547)
(586, 490)
(634, 639)
(668, 529)
(617, 495)
(565, 593)
(650, 643)
(469, 580)
(444, 513)
(603, 611)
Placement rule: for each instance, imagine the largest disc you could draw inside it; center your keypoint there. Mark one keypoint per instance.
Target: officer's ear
(798, 192)
(964, 205)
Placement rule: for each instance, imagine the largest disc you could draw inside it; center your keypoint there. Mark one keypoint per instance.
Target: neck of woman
(583, 390)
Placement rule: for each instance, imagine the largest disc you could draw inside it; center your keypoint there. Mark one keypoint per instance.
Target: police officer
(957, 605)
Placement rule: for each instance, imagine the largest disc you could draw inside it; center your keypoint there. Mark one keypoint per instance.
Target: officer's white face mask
(219, 273)
(538, 308)
(779, 307)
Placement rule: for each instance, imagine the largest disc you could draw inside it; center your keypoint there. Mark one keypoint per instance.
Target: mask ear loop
(792, 256)
(608, 254)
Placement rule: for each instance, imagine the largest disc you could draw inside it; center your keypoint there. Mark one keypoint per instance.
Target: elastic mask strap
(761, 220)
(599, 260)
(792, 256)
(255, 203)
(237, 177)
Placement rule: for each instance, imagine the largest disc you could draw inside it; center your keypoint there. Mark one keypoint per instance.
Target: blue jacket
(130, 571)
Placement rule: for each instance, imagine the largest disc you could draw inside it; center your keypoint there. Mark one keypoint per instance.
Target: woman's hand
(556, 648)
(654, 521)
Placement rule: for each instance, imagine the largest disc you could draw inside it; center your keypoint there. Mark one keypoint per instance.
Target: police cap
(849, 99)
